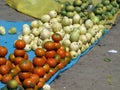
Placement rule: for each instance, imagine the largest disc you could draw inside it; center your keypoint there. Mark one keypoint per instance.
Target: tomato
(12, 57)
(56, 37)
(25, 56)
(13, 72)
(25, 65)
(49, 45)
(18, 80)
(50, 54)
(39, 52)
(57, 45)
(17, 60)
(67, 54)
(3, 51)
(0, 77)
(6, 78)
(4, 69)
(19, 53)
(2, 60)
(40, 84)
(39, 61)
(20, 44)
(39, 71)
(61, 52)
(61, 65)
(42, 80)
(67, 60)
(52, 71)
(10, 64)
(24, 75)
(46, 67)
(47, 76)
(28, 83)
(35, 77)
(58, 58)
(12, 84)
(52, 62)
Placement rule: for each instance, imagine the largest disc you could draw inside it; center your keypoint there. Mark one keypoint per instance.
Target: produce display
(56, 39)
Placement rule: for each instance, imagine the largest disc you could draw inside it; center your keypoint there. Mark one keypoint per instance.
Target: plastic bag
(34, 8)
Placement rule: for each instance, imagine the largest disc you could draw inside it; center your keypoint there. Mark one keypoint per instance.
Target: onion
(46, 87)
(83, 38)
(56, 27)
(2, 30)
(45, 18)
(88, 36)
(45, 34)
(35, 24)
(76, 18)
(83, 29)
(74, 46)
(35, 31)
(26, 30)
(26, 38)
(88, 23)
(53, 14)
(74, 54)
(66, 21)
(27, 47)
(67, 29)
(66, 42)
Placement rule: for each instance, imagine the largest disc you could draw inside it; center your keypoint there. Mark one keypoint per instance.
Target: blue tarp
(7, 40)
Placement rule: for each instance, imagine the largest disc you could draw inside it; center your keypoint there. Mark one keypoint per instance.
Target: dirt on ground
(91, 72)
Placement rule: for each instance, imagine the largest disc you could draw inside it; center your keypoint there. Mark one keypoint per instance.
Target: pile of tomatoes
(32, 74)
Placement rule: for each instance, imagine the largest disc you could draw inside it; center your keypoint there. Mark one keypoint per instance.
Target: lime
(69, 8)
(70, 14)
(77, 9)
(12, 84)
(77, 3)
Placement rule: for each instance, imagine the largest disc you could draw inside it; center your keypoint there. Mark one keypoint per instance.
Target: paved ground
(91, 72)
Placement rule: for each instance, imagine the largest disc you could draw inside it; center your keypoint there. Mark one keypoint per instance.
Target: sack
(35, 8)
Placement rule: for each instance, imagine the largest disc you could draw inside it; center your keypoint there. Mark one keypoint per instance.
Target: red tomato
(58, 58)
(3, 51)
(46, 67)
(35, 77)
(28, 83)
(47, 76)
(0, 77)
(61, 65)
(4, 69)
(49, 45)
(56, 37)
(20, 44)
(52, 62)
(39, 71)
(12, 57)
(24, 75)
(50, 54)
(10, 64)
(18, 80)
(67, 54)
(40, 84)
(39, 61)
(61, 52)
(19, 53)
(25, 65)
(57, 45)
(6, 78)
(52, 71)
(25, 56)
(17, 60)
(2, 60)
(39, 52)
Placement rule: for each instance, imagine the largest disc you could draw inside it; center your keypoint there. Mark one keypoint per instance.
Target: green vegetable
(12, 30)
(107, 60)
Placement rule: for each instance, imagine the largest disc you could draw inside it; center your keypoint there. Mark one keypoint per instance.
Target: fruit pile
(19, 72)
